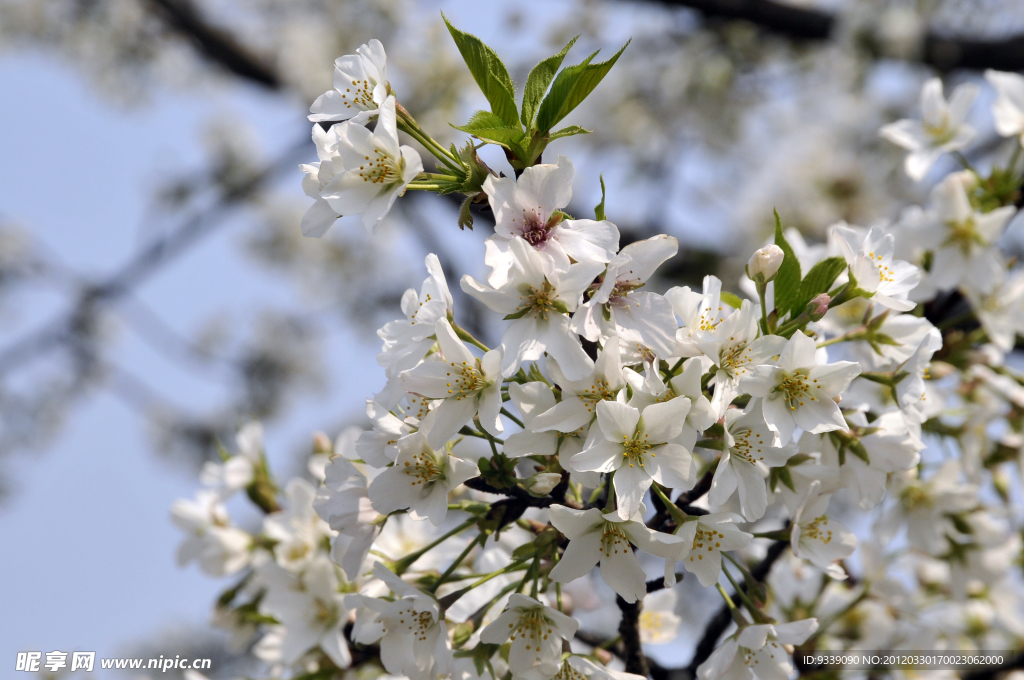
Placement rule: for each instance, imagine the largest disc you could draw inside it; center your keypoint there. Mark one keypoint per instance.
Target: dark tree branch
(943, 52)
(947, 53)
(629, 631)
(217, 45)
(801, 23)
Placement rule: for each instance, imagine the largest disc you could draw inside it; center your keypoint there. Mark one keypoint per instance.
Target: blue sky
(88, 553)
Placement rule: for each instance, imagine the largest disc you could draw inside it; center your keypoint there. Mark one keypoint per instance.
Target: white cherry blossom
(420, 480)
(467, 387)
(237, 471)
(298, 529)
(872, 264)
(220, 548)
(529, 208)
(605, 538)
(745, 461)
(636, 446)
(580, 397)
(942, 127)
(735, 349)
(360, 87)
(407, 340)
(961, 238)
(313, 614)
(800, 392)
(697, 312)
(538, 300)
(889, 445)
(580, 668)
(618, 307)
(704, 539)
(818, 539)
(1008, 108)
(531, 400)
(359, 172)
(410, 629)
(650, 388)
(343, 502)
(757, 651)
(536, 631)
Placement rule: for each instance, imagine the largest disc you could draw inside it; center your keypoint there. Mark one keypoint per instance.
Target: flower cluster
(617, 433)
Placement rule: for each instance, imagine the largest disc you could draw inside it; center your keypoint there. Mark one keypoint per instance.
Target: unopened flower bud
(817, 307)
(322, 443)
(542, 483)
(765, 262)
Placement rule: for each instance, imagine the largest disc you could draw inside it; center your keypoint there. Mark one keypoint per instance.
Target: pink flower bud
(818, 306)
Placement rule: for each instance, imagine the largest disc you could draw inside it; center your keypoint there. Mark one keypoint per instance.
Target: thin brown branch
(216, 44)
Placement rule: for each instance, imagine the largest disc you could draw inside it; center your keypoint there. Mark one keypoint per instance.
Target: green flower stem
(490, 439)
(478, 616)
(458, 560)
(841, 613)
(677, 515)
(780, 535)
(855, 334)
(480, 435)
(407, 124)
(422, 186)
(511, 417)
(762, 289)
(725, 596)
(402, 565)
(466, 336)
(1013, 158)
(744, 598)
(964, 162)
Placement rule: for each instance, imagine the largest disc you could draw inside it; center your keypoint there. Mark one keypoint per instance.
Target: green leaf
(465, 216)
(571, 87)
(537, 83)
(490, 128)
(731, 299)
(599, 208)
(568, 132)
(489, 72)
(787, 281)
(818, 281)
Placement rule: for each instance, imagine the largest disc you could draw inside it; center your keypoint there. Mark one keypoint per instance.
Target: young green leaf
(537, 83)
(571, 87)
(489, 72)
(490, 128)
(731, 299)
(465, 216)
(568, 132)
(818, 281)
(599, 208)
(787, 281)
